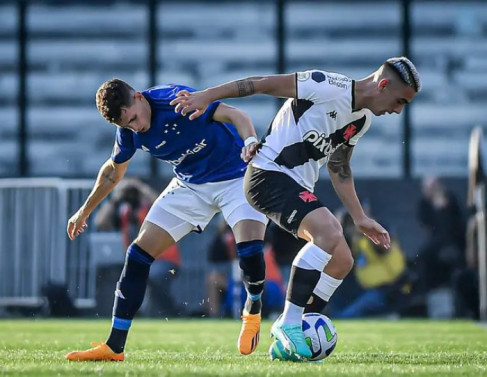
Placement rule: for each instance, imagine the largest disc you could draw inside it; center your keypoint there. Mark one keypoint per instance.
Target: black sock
(252, 264)
(117, 339)
(317, 304)
(302, 282)
(253, 307)
(129, 295)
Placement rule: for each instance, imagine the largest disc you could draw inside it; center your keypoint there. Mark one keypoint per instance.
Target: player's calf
(252, 264)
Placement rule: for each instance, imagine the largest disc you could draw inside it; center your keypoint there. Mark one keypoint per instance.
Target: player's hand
(194, 103)
(76, 225)
(249, 151)
(374, 231)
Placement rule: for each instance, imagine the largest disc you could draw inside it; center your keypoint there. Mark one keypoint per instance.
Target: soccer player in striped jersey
(208, 159)
(320, 124)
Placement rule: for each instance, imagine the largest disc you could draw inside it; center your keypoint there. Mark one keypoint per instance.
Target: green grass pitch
(208, 348)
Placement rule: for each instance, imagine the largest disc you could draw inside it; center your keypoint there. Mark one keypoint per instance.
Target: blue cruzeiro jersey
(200, 150)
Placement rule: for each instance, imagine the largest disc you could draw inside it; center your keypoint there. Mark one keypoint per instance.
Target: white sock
(292, 314)
(311, 257)
(326, 286)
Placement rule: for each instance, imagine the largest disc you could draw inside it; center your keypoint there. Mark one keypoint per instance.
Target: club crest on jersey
(307, 197)
(349, 131)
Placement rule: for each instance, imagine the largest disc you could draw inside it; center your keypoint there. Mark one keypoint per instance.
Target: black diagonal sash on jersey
(299, 107)
(318, 147)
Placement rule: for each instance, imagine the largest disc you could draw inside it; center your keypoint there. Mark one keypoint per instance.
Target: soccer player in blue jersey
(208, 159)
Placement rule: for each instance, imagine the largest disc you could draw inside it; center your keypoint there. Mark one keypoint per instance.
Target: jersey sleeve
(354, 139)
(124, 148)
(208, 114)
(320, 86)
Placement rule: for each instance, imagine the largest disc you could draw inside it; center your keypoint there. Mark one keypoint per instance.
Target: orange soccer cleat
(100, 352)
(249, 335)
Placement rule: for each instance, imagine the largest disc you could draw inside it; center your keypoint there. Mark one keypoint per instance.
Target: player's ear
(138, 95)
(382, 84)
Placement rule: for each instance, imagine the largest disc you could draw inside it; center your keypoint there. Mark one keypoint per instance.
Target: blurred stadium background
(55, 54)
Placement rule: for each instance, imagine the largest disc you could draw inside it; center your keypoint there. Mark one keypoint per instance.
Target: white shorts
(184, 207)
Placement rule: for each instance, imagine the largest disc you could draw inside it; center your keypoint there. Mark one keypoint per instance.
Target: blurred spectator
(444, 228)
(466, 281)
(442, 253)
(125, 211)
(381, 274)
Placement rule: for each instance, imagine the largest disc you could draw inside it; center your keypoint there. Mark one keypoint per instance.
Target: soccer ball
(319, 333)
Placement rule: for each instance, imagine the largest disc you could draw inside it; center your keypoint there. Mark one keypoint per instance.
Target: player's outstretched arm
(195, 103)
(109, 175)
(244, 126)
(342, 180)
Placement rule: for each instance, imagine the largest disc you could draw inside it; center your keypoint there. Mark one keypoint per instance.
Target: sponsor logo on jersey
(317, 145)
(161, 144)
(328, 145)
(332, 114)
(339, 81)
(197, 147)
(144, 148)
(320, 141)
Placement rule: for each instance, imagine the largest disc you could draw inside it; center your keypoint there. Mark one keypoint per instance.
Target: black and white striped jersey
(309, 128)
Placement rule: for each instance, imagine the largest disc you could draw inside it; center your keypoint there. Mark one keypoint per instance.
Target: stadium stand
(89, 43)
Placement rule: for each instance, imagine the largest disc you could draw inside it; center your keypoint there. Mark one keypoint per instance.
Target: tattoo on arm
(245, 87)
(339, 162)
